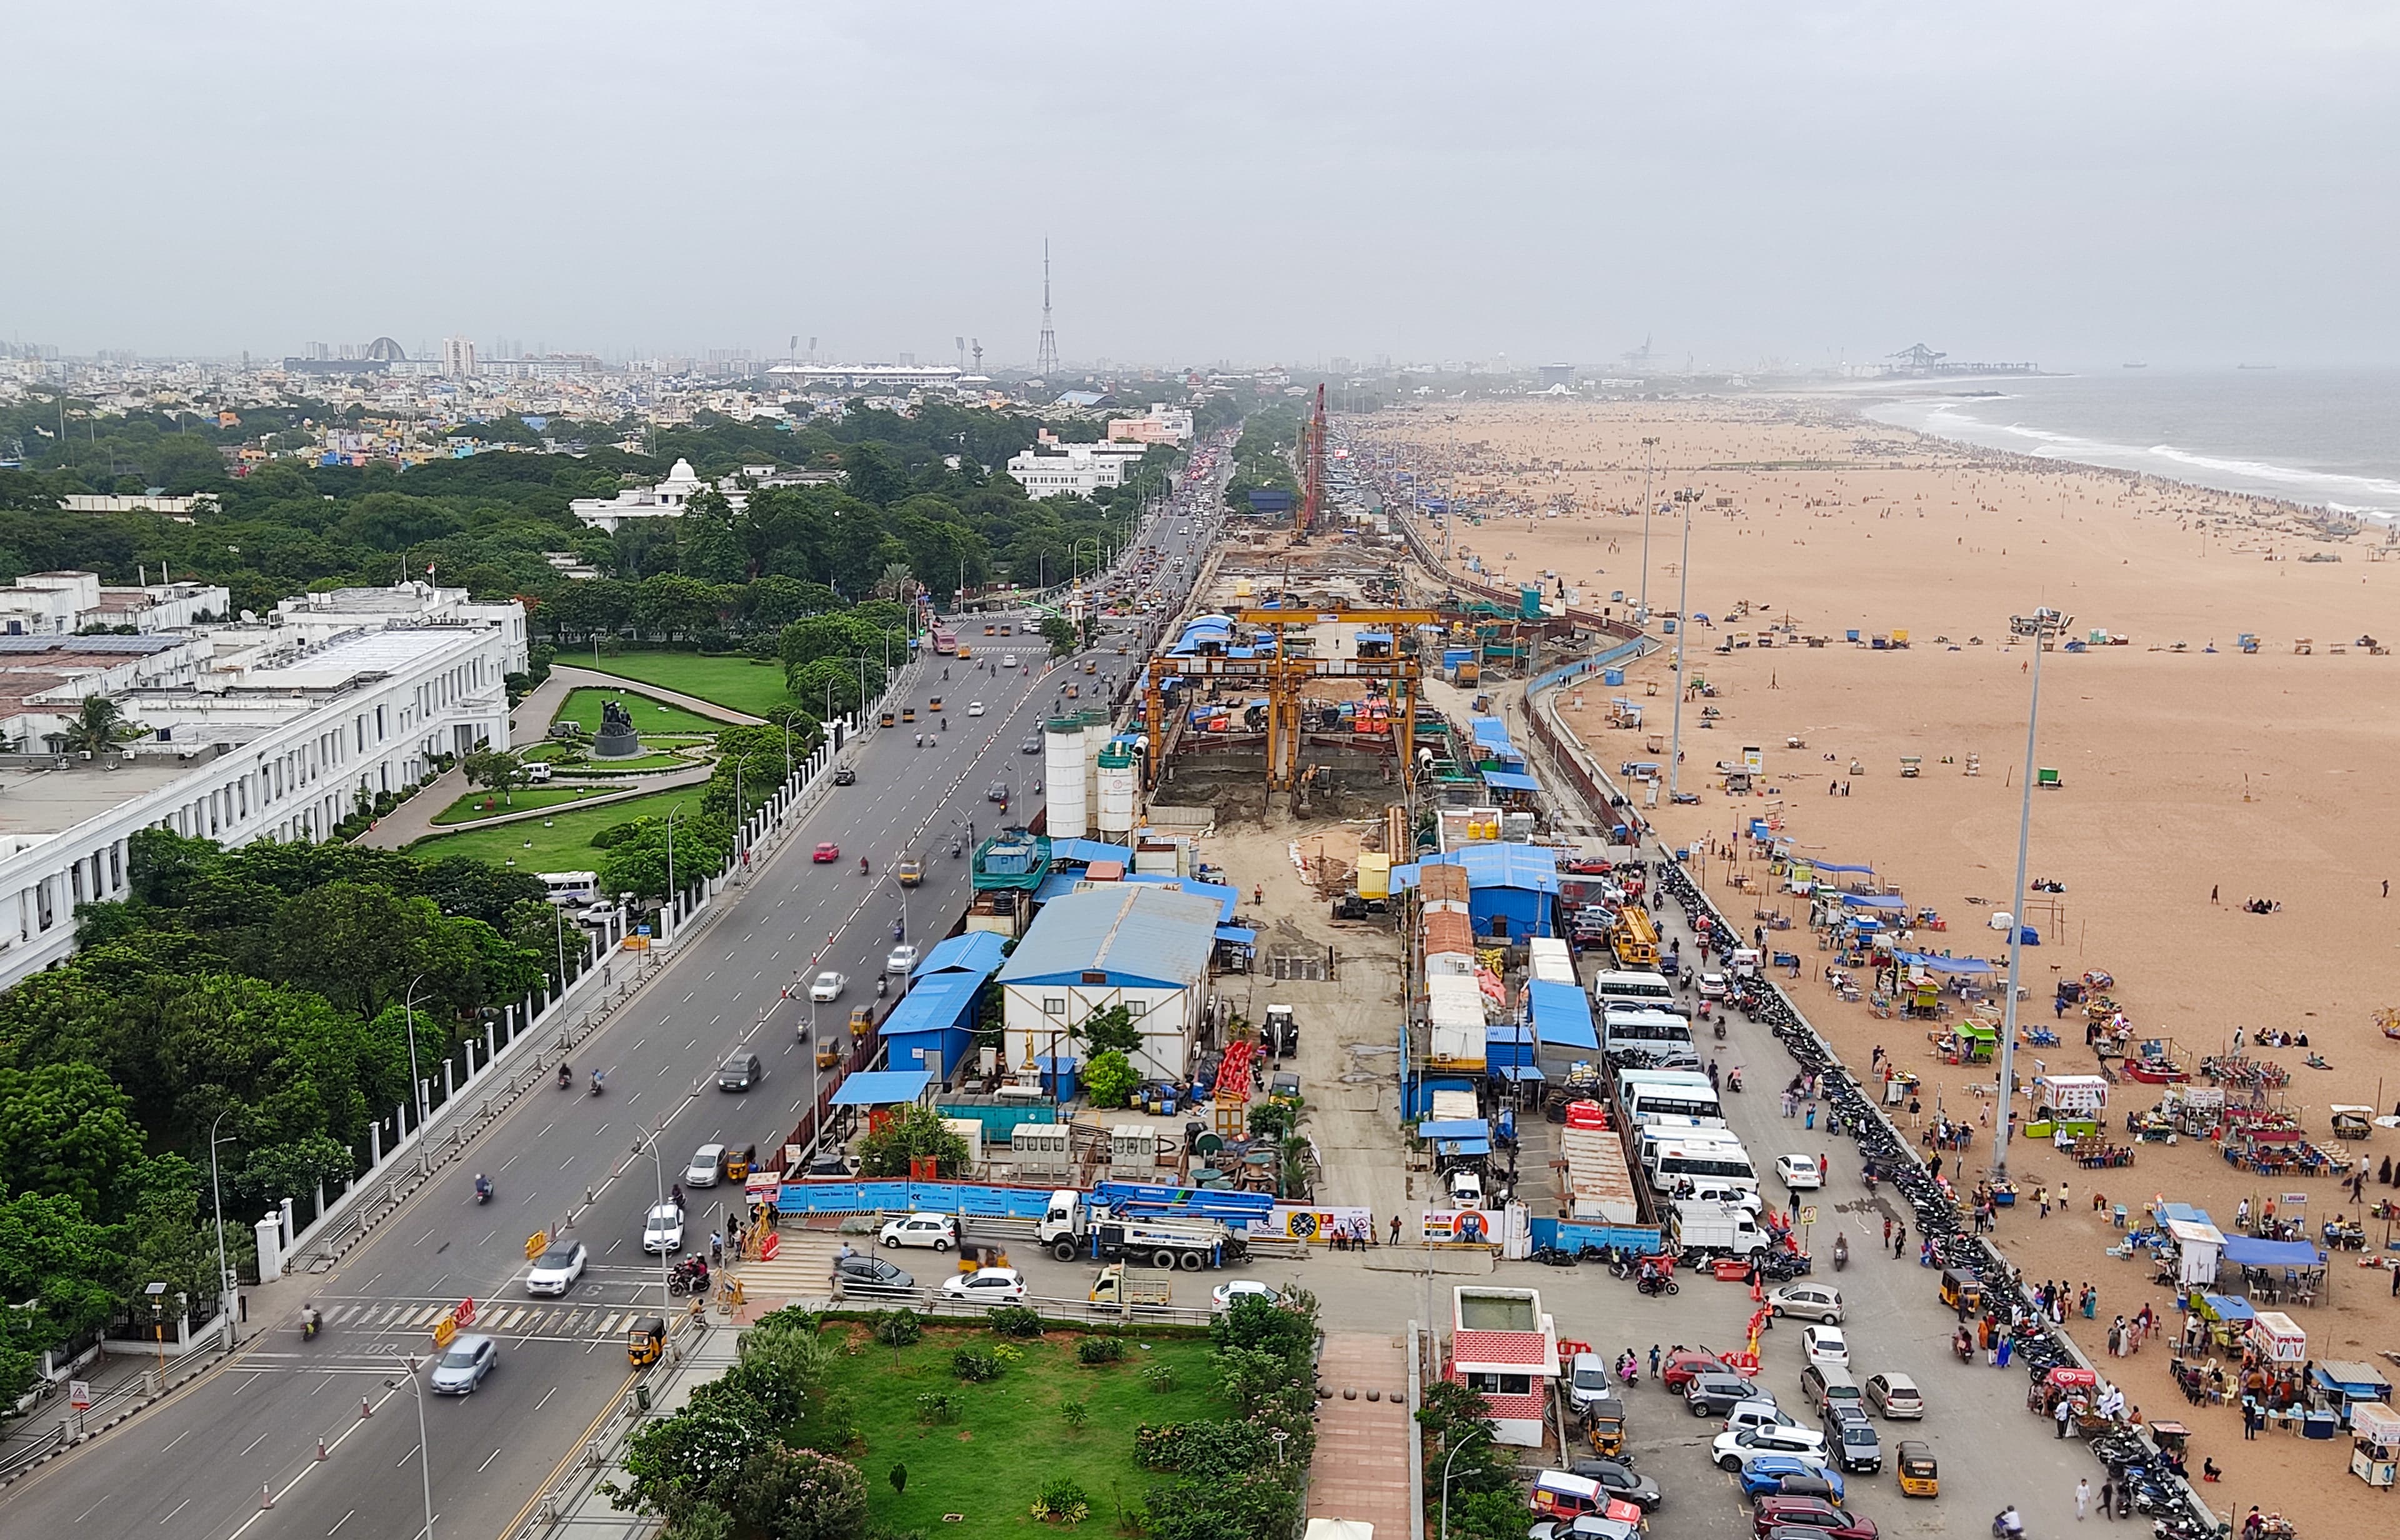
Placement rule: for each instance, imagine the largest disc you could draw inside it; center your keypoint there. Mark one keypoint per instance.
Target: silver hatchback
(1807, 1301)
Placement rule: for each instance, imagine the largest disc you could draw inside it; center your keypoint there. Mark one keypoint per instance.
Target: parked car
(827, 850)
(1813, 1513)
(1853, 1439)
(1766, 1475)
(1895, 1396)
(1621, 1481)
(1714, 1395)
(1759, 1411)
(1588, 1381)
(1824, 1344)
(1807, 1300)
(556, 1270)
(829, 985)
(938, 1230)
(662, 1229)
(986, 1285)
(869, 1275)
(463, 1365)
(1222, 1298)
(1682, 1364)
(1825, 1385)
(1731, 1449)
(1799, 1173)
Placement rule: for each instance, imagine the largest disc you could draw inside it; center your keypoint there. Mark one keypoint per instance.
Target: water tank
(1062, 776)
(1117, 785)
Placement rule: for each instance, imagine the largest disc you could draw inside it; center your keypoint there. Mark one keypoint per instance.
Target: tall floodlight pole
(1687, 497)
(1648, 444)
(2042, 620)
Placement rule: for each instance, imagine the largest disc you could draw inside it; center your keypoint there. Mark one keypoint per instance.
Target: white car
(829, 985)
(556, 1271)
(663, 1228)
(1712, 986)
(1222, 1298)
(986, 1285)
(901, 961)
(975, 708)
(1815, 1301)
(1826, 1344)
(1802, 1443)
(707, 1165)
(1800, 1173)
(938, 1230)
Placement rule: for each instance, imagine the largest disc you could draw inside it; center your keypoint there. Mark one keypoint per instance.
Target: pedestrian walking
(2041, 1200)
(1886, 1234)
(2007, 1343)
(2062, 1197)
(1823, 1165)
(1812, 1121)
(2107, 1498)
(2062, 1415)
(1395, 1230)
(1899, 1241)
(2082, 1496)
(716, 1249)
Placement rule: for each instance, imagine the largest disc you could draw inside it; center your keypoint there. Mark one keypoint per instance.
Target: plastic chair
(2120, 1215)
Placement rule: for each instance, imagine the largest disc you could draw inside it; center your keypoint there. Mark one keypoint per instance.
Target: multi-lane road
(204, 1463)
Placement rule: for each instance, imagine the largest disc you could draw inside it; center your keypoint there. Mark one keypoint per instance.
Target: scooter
(1733, 1079)
(565, 1076)
(882, 985)
(595, 1082)
(483, 1190)
(1841, 1252)
(310, 1323)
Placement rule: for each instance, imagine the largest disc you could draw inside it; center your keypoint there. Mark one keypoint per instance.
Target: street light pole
(1478, 1428)
(1647, 445)
(1687, 497)
(2016, 917)
(416, 1082)
(424, 1451)
(216, 1194)
(665, 913)
(659, 1178)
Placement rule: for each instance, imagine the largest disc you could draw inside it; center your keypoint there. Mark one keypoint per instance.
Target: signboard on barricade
(1459, 1226)
(1316, 1225)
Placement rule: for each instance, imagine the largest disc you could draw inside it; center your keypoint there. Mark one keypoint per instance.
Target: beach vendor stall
(2277, 1272)
(2344, 1386)
(2350, 1123)
(2195, 1111)
(2068, 1108)
(2154, 1061)
(1967, 1043)
(2276, 1338)
(2197, 1244)
(2375, 1444)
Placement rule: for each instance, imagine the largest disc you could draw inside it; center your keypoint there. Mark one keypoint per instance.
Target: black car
(1715, 1395)
(845, 777)
(1622, 1480)
(866, 1275)
(1033, 745)
(998, 792)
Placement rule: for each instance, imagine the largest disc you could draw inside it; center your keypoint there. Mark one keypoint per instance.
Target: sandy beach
(2193, 780)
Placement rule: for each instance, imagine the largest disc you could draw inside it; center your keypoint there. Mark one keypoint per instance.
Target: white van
(1700, 1163)
(1626, 986)
(1695, 1102)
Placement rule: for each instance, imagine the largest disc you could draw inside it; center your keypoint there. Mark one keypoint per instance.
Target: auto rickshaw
(907, 714)
(861, 1020)
(975, 1258)
(739, 1159)
(646, 1339)
(1603, 1425)
(886, 719)
(1962, 1291)
(935, 705)
(1921, 1474)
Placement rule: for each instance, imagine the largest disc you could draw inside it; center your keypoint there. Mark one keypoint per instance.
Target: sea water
(2328, 438)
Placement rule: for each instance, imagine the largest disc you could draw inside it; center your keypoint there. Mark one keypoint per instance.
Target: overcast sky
(1283, 182)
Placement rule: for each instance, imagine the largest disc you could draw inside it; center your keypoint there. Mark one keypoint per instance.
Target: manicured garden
(582, 707)
(559, 844)
(738, 684)
(477, 806)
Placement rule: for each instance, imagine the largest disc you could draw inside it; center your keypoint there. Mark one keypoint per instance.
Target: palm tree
(895, 582)
(96, 728)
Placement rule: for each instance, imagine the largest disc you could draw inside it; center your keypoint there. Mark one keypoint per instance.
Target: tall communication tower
(1046, 357)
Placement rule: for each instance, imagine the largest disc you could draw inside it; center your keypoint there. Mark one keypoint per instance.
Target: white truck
(1122, 1287)
(1070, 1227)
(1717, 1230)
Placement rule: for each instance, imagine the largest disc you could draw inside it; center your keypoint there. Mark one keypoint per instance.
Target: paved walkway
(1363, 1446)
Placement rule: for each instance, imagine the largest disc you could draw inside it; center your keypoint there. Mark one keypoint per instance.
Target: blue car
(1762, 1476)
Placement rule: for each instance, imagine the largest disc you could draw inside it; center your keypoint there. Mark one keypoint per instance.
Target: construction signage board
(79, 1395)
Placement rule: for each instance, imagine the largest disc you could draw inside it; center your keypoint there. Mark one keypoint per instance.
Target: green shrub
(1016, 1320)
(897, 1328)
(1075, 1412)
(1160, 1378)
(974, 1366)
(936, 1406)
(1100, 1350)
(1062, 1502)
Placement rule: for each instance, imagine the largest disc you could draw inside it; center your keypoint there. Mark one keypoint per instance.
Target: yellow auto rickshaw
(907, 714)
(646, 1339)
(739, 1159)
(861, 1020)
(1962, 1291)
(935, 705)
(1603, 1425)
(1920, 1475)
(886, 719)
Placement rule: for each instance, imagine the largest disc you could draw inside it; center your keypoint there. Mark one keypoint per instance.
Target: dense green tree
(66, 1130)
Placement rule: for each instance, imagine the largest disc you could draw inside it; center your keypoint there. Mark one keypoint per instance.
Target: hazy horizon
(1742, 185)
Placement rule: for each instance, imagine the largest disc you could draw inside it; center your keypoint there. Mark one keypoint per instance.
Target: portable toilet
(1612, 677)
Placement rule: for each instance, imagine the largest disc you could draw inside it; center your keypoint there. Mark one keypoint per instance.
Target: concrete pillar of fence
(491, 1041)
(271, 1247)
(320, 1212)
(449, 1078)
(290, 1229)
(374, 1145)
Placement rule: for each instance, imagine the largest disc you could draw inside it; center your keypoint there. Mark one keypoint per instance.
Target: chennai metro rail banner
(1298, 1222)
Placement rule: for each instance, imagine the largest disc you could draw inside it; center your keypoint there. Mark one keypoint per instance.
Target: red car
(1683, 1363)
(827, 850)
(1811, 1513)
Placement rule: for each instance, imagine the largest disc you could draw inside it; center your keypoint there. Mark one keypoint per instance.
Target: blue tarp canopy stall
(882, 1088)
(1873, 901)
(1455, 1129)
(2249, 1251)
(1561, 1015)
(1239, 935)
(1510, 781)
(1933, 964)
(2227, 1307)
(1838, 866)
(1517, 1074)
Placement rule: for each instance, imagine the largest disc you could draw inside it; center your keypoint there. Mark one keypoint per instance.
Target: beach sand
(2186, 773)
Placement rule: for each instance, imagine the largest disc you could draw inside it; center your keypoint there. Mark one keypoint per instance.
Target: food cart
(2375, 1444)
(2068, 1108)
(2352, 1122)
(2277, 1338)
(2344, 1386)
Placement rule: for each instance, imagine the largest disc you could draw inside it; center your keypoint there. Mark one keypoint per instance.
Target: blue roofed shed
(1515, 886)
(1143, 946)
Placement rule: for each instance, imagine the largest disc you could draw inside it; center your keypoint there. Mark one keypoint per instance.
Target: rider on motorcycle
(565, 1075)
(2006, 1524)
(482, 1185)
(861, 866)
(310, 1322)
(596, 1081)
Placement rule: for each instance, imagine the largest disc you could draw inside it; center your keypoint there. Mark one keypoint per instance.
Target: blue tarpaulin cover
(1837, 866)
(1932, 964)
(2230, 1307)
(2248, 1251)
(881, 1088)
(1510, 781)
(1561, 1015)
(1453, 1128)
(1875, 901)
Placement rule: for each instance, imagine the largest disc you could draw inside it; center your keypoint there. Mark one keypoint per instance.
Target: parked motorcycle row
(1938, 1219)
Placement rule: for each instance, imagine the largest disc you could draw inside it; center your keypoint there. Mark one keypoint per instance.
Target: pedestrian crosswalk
(498, 1321)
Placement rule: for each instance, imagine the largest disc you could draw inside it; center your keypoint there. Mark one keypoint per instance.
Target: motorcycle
(483, 1190)
(2006, 1525)
(882, 986)
(595, 1082)
(861, 866)
(565, 1076)
(310, 1323)
(1733, 1078)
(1841, 1252)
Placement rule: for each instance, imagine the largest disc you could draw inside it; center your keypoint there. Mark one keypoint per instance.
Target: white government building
(258, 730)
(1055, 470)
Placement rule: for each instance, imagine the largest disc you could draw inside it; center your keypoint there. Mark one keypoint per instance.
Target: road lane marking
(178, 1509)
(512, 1160)
(545, 1400)
(343, 1520)
(177, 1439)
(407, 1457)
(496, 1454)
(106, 1495)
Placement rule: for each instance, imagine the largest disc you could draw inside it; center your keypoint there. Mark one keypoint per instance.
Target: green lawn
(1009, 1438)
(583, 706)
(562, 844)
(470, 809)
(638, 762)
(737, 684)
